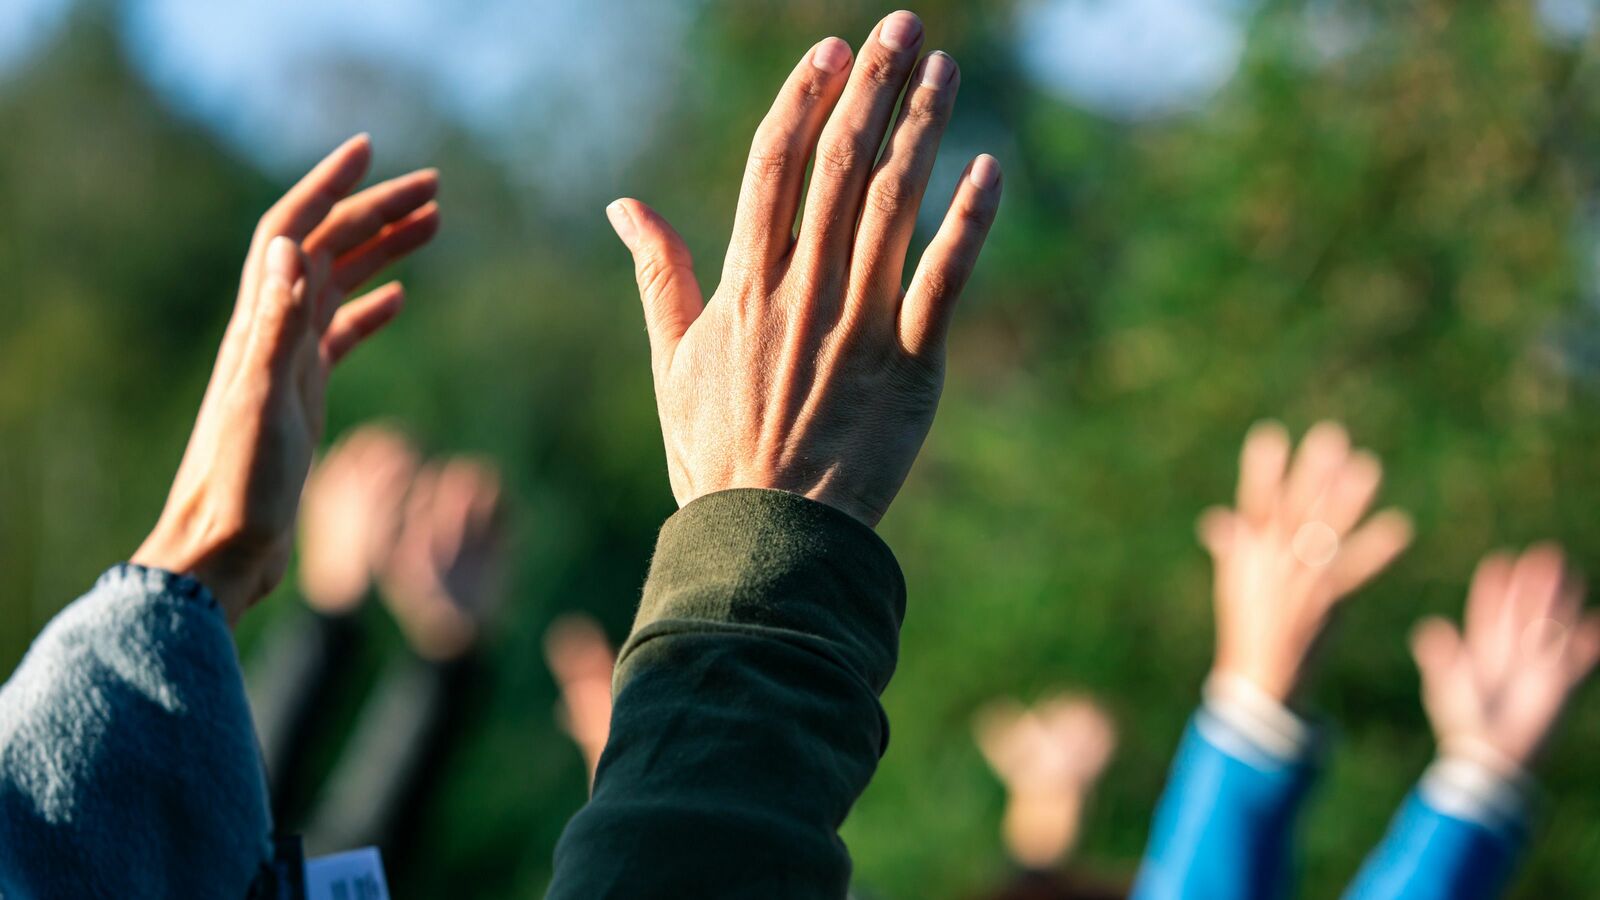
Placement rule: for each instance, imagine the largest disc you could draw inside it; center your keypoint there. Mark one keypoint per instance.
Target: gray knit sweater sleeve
(128, 764)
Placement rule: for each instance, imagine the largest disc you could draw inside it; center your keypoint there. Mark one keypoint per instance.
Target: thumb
(280, 313)
(1215, 529)
(665, 271)
(1436, 645)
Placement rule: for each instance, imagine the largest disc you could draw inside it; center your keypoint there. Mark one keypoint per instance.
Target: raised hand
(1294, 546)
(230, 515)
(582, 660)
(443, 578)
(1496, 692)
(1050, 757)
(811, 369)
(350, 516)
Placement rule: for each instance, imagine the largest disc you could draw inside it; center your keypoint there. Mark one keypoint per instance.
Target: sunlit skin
(582, 660)
(229, 519)
(1296, 544)
(445, 575)
(1049, 757)
(812, 369)
(350, 516)
(1494, 691)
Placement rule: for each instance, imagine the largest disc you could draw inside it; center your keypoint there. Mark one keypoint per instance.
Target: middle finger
(849, 146)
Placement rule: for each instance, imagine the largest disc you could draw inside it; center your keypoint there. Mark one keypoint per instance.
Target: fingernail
(831, 56)
(985, 172)
(900, 30)
(938, 70)
(622, 222)
(281, 255)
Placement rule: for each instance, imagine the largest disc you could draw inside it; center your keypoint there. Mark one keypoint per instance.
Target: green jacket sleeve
(746, 720)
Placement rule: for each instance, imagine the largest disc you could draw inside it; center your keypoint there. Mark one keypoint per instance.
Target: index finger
(763, 227)
(306, 204)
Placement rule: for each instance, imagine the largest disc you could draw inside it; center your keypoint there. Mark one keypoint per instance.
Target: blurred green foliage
(1399, 237)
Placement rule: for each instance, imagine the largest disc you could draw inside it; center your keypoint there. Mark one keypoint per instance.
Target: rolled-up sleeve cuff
(1476, 783)
(781, 562)
(1242, 720)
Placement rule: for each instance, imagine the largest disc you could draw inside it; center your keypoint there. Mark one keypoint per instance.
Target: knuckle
(268, 226)
(839, 159)
(972, 215)
(923, 110)
(937, 283)
(655, 274)
(880, 71)
(811, 89)
(891, 193)
(770, 158)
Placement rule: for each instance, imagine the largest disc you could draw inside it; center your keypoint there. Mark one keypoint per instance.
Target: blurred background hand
(811, 370)
(1292, 548)
(229, 518)
(582, 661)
(350, 516)
(1049, 757)
(1494, 691)
(445, 576)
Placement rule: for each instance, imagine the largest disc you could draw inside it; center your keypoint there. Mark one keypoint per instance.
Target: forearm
(128, 766)
(1459, 836)
(1224, 824)
(394, 755)
(747, 719)
(290, 679)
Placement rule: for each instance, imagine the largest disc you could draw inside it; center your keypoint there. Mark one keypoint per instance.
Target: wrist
(235, 580)
(1507, 763)
(1278, 687)
(865, 514)
(1040, 831)
(1259, 717)
(332, 596)
(1473, 781)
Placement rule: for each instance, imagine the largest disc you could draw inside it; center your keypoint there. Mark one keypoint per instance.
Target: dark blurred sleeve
(292, 677)
(128, 767)
(747, 719)
(394, 757)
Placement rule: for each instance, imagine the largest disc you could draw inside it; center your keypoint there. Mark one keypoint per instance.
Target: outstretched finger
(360, 319)
(1536, 581)
(1369, 550)
(1261, 466)
(950, 258)
(995, 729)
(894, 193)
(665, 273)
(1320, 458)
(1435, 643)
(1216, 530)
(1351, 492)
(392, 242)
(357, 219)
(313, 197)
(1487, 621)
(848, 148)
(1583, 649)
(763, 227)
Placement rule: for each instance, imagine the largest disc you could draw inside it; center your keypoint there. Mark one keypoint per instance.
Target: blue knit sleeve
(128, 764)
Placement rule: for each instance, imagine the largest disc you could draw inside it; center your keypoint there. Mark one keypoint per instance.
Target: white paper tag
(352, 875)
